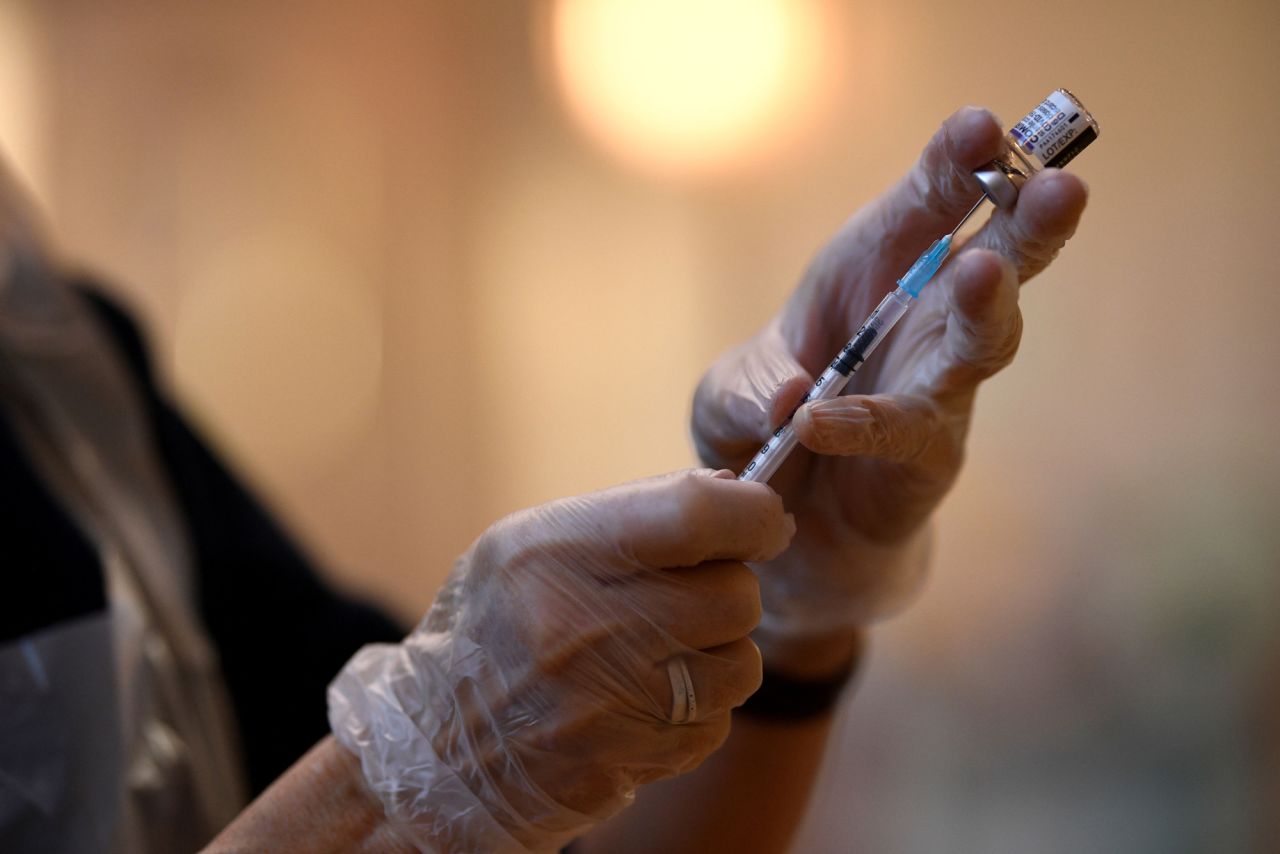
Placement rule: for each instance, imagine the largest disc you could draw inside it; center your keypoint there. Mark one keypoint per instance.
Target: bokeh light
(415, 286)
(688, 85)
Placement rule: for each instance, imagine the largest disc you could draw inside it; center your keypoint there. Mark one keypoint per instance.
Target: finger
(941, 185)
(721, 679)
(1046, 215)
(744, 396)
(899, 428)
(984, 324)
(884, 237)
(726, 676)
(705, 606)
(691, 517)
(674, 750)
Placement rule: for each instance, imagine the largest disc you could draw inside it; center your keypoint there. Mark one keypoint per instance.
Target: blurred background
(415, 265)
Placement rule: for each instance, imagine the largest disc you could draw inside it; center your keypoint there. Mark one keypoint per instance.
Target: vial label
(1054, 132)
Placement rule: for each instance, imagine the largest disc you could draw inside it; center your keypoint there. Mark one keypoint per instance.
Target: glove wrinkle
(534, 697)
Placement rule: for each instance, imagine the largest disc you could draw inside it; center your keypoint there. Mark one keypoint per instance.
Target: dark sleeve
(281, 632)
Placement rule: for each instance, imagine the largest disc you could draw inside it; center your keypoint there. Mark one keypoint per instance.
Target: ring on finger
(684, 702)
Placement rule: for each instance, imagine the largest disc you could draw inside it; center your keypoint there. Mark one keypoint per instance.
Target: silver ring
(684, 703)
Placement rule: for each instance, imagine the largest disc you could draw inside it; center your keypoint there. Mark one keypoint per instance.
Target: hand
(881, 457)
(536, 695)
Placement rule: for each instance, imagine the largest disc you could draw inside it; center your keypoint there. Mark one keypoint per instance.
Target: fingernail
(803, 418)
(977, 133)
(1054, 173)
(831, 420)
(972, 111)
(844, 411)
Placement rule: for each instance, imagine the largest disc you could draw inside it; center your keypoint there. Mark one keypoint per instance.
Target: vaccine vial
(1051, 135)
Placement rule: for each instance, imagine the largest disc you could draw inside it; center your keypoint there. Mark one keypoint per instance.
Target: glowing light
(687, 84)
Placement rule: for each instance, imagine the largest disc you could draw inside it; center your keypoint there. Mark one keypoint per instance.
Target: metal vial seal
(1051, 135)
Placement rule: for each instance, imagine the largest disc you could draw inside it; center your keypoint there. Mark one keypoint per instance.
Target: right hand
(878, 459)
(535, 696)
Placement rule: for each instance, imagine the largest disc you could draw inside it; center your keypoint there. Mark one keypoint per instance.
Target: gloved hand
(539, 691)
(881, 457)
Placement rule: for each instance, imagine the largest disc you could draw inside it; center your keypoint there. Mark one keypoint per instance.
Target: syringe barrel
(832, 381)
(779, 446)
(773, 454)
(884, 318)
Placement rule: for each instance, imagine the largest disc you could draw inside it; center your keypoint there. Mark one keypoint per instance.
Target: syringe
(837, 375)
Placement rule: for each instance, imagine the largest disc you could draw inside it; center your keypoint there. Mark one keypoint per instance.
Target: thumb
(897, 428)
(744, 396)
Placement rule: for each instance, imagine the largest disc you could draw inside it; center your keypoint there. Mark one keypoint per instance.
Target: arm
(537, 694)
(321, 799)
(874, 464)
(535, 697)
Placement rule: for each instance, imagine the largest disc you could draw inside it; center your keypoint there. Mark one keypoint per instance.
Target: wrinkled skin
(876, 461)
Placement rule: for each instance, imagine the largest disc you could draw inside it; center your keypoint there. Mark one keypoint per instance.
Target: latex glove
(880, 458)
(535, 696)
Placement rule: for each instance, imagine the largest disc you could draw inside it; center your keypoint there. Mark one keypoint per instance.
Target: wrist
(813, 657)
(806, 680)
(813, 594)
(321, 804)
(339, 774)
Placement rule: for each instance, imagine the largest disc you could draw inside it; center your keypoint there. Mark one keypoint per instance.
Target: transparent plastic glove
(876, 461)
(537, 693)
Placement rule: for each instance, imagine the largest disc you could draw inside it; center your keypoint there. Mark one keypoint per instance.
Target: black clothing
(280, 631)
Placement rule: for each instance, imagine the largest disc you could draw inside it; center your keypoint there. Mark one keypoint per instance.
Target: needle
(971, 212)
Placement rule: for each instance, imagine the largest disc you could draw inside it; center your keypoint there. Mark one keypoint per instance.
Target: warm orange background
(396, 279)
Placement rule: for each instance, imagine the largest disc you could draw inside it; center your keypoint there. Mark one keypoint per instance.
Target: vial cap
(999, 186)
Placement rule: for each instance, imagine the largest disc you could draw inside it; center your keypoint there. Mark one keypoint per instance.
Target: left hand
(876, 461)
(539, 691)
